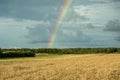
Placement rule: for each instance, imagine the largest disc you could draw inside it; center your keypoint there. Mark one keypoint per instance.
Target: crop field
(62, 67)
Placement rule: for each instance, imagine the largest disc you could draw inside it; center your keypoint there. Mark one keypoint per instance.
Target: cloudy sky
(88, 23)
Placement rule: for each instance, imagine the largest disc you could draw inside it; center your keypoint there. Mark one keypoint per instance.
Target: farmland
(62, 67)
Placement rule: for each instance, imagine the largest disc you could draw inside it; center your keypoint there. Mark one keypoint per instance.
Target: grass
(62, 67)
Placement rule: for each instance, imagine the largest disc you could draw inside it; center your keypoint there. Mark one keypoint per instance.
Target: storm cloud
(30, 23)
(114, 26)
(116, 0)
(42, 33)
(37, 9)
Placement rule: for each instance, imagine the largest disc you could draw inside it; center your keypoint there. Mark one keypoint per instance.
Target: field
(62, 67)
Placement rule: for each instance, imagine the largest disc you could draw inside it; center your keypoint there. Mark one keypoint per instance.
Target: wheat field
(68, 67)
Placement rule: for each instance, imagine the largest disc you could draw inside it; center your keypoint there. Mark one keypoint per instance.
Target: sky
(87, 23)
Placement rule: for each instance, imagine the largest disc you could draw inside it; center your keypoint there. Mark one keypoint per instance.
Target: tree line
(65, 50)
(15, 53)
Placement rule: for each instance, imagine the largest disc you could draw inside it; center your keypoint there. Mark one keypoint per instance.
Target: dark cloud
(33, 12)
(114, 26)
(118, 38)
(90, 26)
(36, 9)
(39, 34)
(42, 33)
(33, 2)
(75, 35)
(88, 2)
(67, 33)
(30, 9)
(78, 25)
(116, 0)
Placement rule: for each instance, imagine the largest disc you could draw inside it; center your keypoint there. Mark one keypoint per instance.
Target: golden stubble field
(69, 67)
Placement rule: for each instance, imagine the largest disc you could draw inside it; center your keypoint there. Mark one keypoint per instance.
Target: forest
(30, 52)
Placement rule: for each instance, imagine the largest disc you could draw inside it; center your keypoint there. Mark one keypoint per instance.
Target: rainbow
(61, 16)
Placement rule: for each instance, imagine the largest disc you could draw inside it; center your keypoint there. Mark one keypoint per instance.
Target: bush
(10, 54)
(0, 52)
